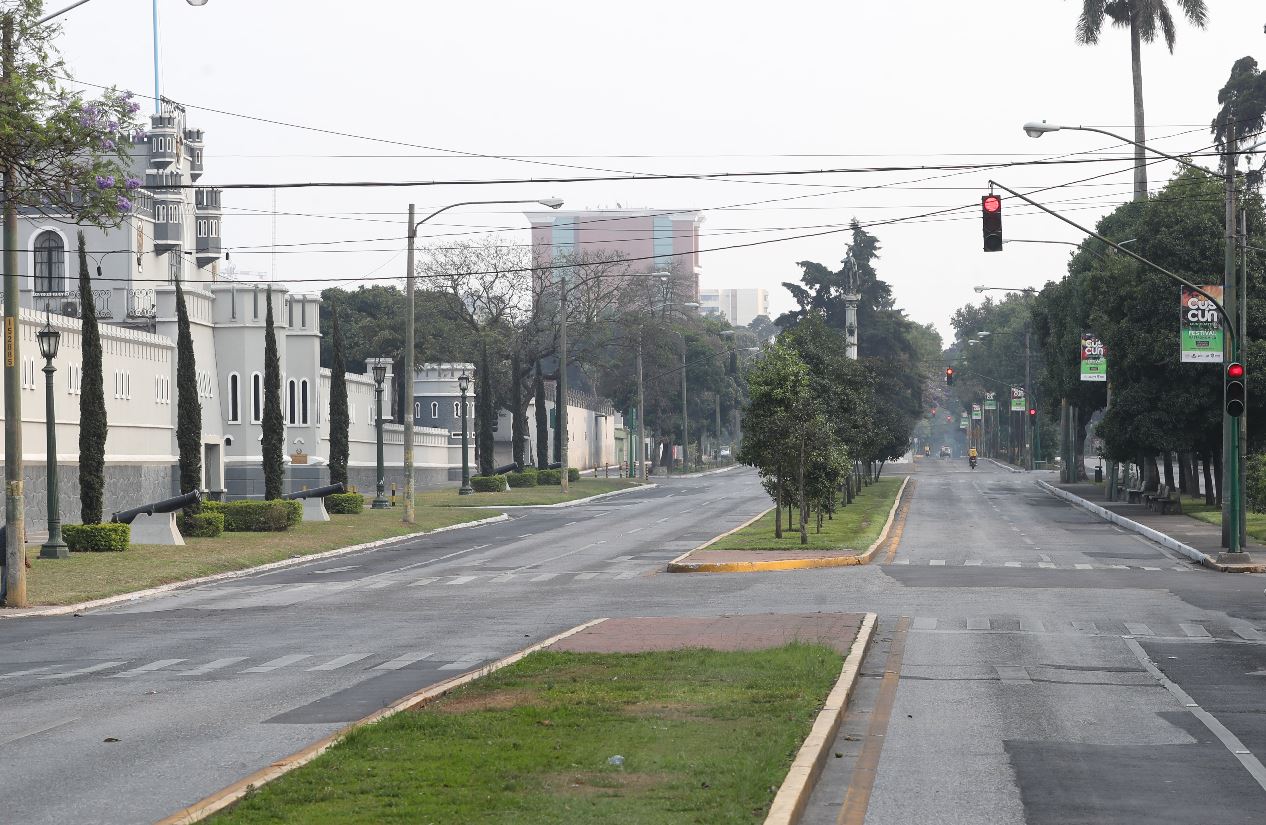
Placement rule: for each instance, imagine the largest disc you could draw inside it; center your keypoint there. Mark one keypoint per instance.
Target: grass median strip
(854, 527)
(704, 736)
(1255, 523)
(522, 496)
(86, 576)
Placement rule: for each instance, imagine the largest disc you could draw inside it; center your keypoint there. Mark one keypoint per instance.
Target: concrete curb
(681, 565)
(1160, 538)
(223, 798)
(1006, 467)
(572, 503)
(789, 803)
(137, 595)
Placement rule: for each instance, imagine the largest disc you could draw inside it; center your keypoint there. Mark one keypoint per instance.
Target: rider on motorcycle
(971, 457)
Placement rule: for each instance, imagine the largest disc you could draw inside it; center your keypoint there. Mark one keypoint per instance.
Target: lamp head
(380, 372)
(48, 339)
(196, 2)
(979, 289)
(463, 382)
(690, 304)
(1036, 129)
(984, 333)
(552, 203)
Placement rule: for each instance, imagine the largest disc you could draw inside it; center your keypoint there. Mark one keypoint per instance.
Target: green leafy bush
(573, 474)
(1255, 486)
(204, 525)
(344, 504)
(97, 538)
(544, 477)
(488, 484)
(251, 516)
(521, 479)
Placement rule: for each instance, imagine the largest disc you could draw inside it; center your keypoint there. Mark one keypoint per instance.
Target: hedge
(344, 504)
(204, 525)
(488, 484)
(573, 474)
(521, 479)
(253, 516)
(97, 538)
(544, 477)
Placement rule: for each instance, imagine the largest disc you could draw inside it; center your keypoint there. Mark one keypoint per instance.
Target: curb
(136, 595)
(573, 503)
(227, 796)
(1006, 467)
(789, 803)
(680, 565)
(1199, 557)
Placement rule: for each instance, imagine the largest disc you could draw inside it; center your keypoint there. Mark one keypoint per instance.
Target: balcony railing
(141, 303)
(71, 306)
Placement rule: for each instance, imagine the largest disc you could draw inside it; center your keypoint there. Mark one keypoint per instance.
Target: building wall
(739, 306)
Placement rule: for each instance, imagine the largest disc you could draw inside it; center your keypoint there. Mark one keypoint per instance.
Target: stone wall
(126, 486)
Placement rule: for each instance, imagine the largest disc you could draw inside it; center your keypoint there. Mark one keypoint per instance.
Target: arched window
(417, 410)
(50, 263)
(234, 409)
(303, 401)
(257, 399)
(457, 409)
(292, 409)
(435, 409)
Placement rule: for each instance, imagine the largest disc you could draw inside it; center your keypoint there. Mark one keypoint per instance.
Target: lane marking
(41, 729)
(149, 668)
(937, 563)
(83, 670)
(1228, 739)
(1013, 675)
(461, 580)
(924, 623)
(334, 570)
(978, 623)
(1194, 630)
(527, 535)
(403, 661)
(340, 661)
(210, 666)
(280, 661)
(544, 577)
(1138, 629)
(18, 673)
(424, 582)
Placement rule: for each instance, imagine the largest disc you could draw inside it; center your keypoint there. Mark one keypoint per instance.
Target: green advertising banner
(1017, 399)
(991, 401)
(975, 412)
(1094, 360)
(1200, 326)
(962, 422)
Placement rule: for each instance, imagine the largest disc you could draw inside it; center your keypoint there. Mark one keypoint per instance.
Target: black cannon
(167, 505)
(317, 492)
(557, 465)
(512, 467)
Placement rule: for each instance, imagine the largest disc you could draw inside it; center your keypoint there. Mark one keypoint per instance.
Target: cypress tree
(188, 407)
(484, 438)
(92, 408)
(559, 411)
(274, 425)
(542, 420)
(339, 418)
(518, 412)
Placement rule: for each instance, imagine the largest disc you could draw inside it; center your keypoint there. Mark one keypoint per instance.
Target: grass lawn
(1256, 526)
(94, 575)
(854, 527)
(519, 496)
(706, 736)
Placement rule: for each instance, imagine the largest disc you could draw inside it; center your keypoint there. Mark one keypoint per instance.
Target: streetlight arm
(414, 228)
(1230, 327)
(52, 15)
(1124, 139)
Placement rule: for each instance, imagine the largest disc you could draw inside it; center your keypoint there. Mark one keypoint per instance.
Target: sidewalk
(1201, 537)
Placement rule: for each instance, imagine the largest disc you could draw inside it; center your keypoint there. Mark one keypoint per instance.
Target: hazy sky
(681, 87)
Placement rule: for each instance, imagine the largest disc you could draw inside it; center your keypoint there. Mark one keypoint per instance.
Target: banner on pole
(1200, 326)
(991, 401)
(1094, 360)
(962, 422)
(1017, 399)
(975, 412)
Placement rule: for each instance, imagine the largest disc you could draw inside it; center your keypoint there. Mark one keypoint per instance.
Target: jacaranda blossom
(123, 203)
(105, 181)
(133, 183)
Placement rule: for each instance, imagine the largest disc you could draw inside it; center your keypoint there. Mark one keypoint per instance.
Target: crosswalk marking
(83, 671)
(149, 668)
(972, 563)
(280, 661)
(629, 574)
(210, 666)
(1247, 633)
(426, 581)
(1084, 626)
(1138, 629)
(937, 562)
(1032, 626)
(27, 672)
(924, 623)
(1013, 675)
(461, 580)
(1153, 569)
(502, 579)
(1011, 564)
(462, 664)
(902, 561)
(1193, 630)
(1083, 567)
(1046, 564)
(585, 576)
(544, 577)
(340, 661)
(978, 623)
(378, 585)
(403, 661)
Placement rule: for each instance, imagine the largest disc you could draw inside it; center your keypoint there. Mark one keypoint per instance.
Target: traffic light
(949, 376)
(991, 213)
(1236, 395)
(1032, 413)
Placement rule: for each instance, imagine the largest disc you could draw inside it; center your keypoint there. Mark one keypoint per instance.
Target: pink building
(648, 239)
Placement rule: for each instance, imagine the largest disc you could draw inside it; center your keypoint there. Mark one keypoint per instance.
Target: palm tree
(1143, 18)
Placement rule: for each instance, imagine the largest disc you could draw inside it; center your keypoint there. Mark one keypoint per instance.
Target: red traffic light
(1032, 413)
(991, 203)
(1234, 370)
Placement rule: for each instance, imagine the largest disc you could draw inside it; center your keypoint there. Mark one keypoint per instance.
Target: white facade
(738, 306)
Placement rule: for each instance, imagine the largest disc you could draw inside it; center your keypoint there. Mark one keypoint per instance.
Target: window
(174, 266)
(292, 409)
(417, 410)
(50, 263)
(303, 314)
(457, 409)
(563, 236)
(663, 240)
(290, 313)
(255, 303)
(303, 401)
(435, 409)
(256, 399)
(233, 398)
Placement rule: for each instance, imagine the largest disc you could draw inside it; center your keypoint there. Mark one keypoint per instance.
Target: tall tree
(518, 410)
(274, 426)
(93, 425)
(188, 407)
(1144, 18)
(542, 419)
(339, 418)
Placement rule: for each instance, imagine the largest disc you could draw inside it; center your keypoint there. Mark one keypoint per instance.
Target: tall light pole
(463, 384)
(685, 434)
(54, 548)
(410, 332)
(380, 374)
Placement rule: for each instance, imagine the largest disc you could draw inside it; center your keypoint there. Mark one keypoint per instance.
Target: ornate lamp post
(54, 548)
(463, 384)
(380, 373)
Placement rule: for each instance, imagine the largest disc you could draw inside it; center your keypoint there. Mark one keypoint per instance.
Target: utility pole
(409, 336)
(641, 413)
(14, 504)
(1029, 398)
(1231, 535)
(685, 436)
(561, 412)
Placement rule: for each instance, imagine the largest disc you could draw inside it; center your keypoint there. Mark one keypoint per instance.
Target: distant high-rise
(738, 306)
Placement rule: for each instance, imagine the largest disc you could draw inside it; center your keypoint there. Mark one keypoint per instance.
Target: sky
(495, 90)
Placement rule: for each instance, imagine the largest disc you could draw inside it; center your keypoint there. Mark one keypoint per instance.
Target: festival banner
(975, 412)
(991, 401)
(1200, 326)
(1017, 399)
(1094, 360)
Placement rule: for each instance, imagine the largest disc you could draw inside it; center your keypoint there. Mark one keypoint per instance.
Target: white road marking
(403, 661)
(149, 668)
(340, 661)
(1151, 568)
(544, 577)
(502, 579)
(1043, 557)
(1119, 566)
(41, 729)
(978, 623)
(18, 673)
(1250, 634)
(1031, 626)
(1194, 630)
(424, 582)
(1013, 675)
(1083, 567)
(281, 661)
(378, 585)
(83, 670)
(1011, 564)
(1046, 565)
(1138, 629)
(634, 530)
(527, 535)
(924, 623)
(972, 563)
(462, 664)
(629, 574)
(937, 563)
(1085, 627)
(461, 580)
(902, 561)
(210, 666)
(334, 570)
(586, 576)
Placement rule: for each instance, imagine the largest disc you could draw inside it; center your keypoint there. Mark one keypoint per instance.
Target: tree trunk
(778, 504)
(1184, 476)
(1217, 476)
(1140, 133)
(487, 412)
(558, 411)
(1151, 474)
(804, 514)
(518, 410)
(542, 420)
(1169, 469)
(1209, 497)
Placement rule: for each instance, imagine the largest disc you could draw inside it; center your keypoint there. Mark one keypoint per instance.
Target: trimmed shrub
(251, 516)
(97, 538)
(572, 475)
(544, 477)
(488, 484)
(344, 504)
(521, 479)
(204, 525)
(1255, 488)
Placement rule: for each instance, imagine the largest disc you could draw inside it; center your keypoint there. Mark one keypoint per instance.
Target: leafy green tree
(93, 425)
(1144, 19)
(274, 425)
(339, 418)
(188, 407)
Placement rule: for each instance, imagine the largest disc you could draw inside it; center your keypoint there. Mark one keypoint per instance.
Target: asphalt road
(1011, 631)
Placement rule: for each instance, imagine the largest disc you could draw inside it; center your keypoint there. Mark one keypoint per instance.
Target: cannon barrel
(167, 505)
(317, 492)
(512, 467)
(557, 465)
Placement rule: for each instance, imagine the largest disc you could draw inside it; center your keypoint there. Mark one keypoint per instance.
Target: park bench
(1150, 499)
(1134, 496)
(1172, 502)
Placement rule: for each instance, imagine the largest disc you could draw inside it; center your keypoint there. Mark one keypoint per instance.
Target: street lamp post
(380, 373)
(54, 548)
(410, 333)
(463, 384)
(685, 435)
